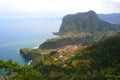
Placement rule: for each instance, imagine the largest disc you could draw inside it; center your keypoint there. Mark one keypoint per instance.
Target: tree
(18, 72)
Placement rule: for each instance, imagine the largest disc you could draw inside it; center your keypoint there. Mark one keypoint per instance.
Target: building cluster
(67, 49)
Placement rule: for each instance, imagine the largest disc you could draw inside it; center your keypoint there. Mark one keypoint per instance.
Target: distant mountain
(85, 22)
(112, 18)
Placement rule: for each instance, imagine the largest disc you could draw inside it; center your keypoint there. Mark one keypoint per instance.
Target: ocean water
(24, 33)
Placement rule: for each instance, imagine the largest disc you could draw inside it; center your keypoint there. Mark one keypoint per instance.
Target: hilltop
(85, 22)
(80, 29)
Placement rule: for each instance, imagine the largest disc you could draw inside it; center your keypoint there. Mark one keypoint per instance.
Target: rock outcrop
(85, 22)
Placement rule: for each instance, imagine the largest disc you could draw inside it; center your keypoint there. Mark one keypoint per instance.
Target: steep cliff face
(80, 29)
(85, 22)
(79, 22)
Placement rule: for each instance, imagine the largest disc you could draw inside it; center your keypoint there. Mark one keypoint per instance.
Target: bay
(24, 33)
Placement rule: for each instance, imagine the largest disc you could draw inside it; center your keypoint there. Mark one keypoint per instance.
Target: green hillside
(99, 61)
(87, 48)
(85, 22)
(80, 29)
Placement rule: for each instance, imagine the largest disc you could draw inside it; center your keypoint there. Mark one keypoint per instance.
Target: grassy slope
(100, 61)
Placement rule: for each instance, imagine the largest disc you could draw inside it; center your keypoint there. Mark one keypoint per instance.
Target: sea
(24, 33)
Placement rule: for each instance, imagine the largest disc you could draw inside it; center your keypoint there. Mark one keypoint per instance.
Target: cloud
(20, 7)
(115, 1)
(49, 5)
(111, 6)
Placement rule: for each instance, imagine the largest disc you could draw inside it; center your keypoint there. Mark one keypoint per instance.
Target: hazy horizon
(15, 9)
(22, 29)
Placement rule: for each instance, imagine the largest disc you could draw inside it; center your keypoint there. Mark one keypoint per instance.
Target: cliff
(30, 54)
(85, 22)
(80, 29)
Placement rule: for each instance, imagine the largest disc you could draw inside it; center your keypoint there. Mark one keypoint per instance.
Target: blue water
(24, 33)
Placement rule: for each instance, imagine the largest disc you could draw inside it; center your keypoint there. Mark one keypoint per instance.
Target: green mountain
(85, 22)
(99, 61)
(73, 39)
(80, 29)
(106, 52)
(87, 49)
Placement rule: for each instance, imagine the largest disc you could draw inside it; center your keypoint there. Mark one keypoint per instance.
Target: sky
(54, 8)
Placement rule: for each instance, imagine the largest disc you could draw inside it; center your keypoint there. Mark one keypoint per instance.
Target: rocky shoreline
(26, 56)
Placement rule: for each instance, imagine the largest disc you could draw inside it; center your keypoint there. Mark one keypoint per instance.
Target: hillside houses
(67, 49)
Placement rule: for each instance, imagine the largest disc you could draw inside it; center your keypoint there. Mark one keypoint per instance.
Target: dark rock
(85, 22)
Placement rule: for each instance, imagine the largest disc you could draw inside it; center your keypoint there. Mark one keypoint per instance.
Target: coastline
(29, 62)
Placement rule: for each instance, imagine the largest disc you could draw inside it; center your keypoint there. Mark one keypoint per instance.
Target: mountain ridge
(111, 17)
(85, 22)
